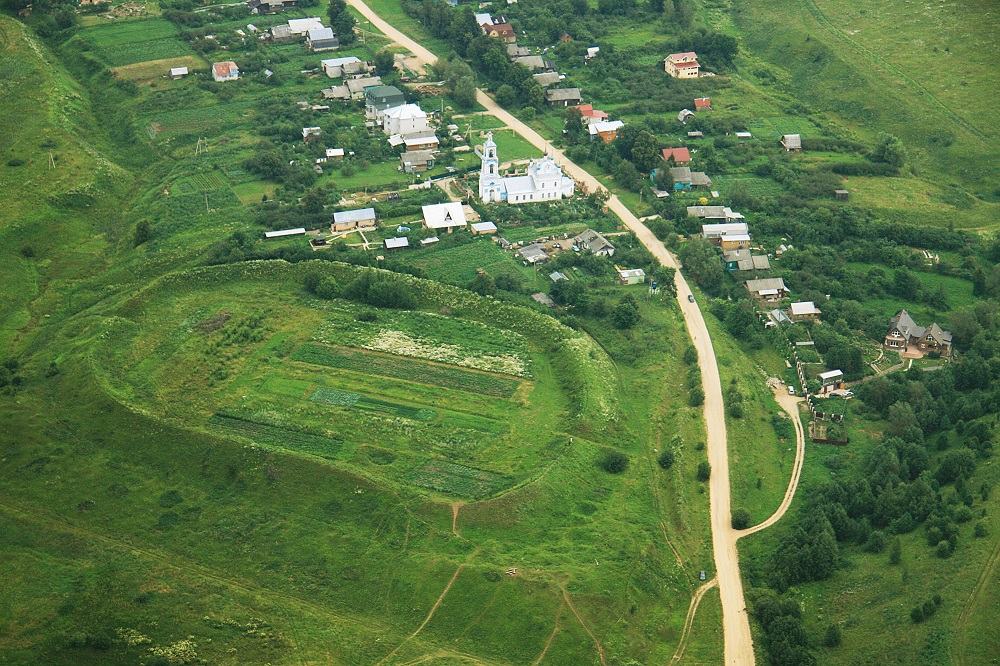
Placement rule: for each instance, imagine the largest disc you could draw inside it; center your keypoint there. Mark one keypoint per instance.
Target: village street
(736, 624)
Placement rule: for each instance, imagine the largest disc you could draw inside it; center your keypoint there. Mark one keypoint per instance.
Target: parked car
(791, 390)
(848, 394)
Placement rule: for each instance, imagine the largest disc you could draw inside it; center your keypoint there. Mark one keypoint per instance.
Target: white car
(691, 298)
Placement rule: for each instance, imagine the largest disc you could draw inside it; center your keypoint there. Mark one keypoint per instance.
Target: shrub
(697, 396)
(980, 530)
(328, 288)
(896, 552)
(690, 355)
(704, 470)
(615, 462)
(27, 252)
(917, 615)
(943, 549)
(963, 514)
(367, 316)
(170, 498)
(876, 542)
(740, 518)
(832, 637)
(15, 162)
(666, 459)
(142, 233)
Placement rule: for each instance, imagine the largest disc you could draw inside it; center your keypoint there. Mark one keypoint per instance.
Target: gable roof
(739, 254)
(378, 90)
(405, 112)
(678, 154)
(359, 85)
(358, 215)
(791, 141)
(939, 334)
(178, 71)
(339, 62)
(904, 323)
(605, 126)
(227, 68)
(317, 34)
(533, 253)
(303, 25)
(546, 79)
(681, 57)
(417, 156)
(515, 51)
(562, 94)
(484, 226)
(444, 215)
(702, 103)
(393, 243)
(764, 284)
(802, 308)
(593, 241)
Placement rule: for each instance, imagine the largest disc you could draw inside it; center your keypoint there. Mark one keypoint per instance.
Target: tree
(896, 552)
(626, 313)
(696, 397)
(313, 202)
(328, 288)
(464, 92)
(341, 21)
(690, 355)
(832, 637)
(741, 519)
(905, 284)
(917, 614)
(384, 62)
(889, 149)
(666, 459)
(506, 95)
(142, 233)
(704, 471)
(645, 153)
(483, 285)
(574, 131)
(701, 261)
(615, 462)
(628, 176)
(663, 179)
(684, 12)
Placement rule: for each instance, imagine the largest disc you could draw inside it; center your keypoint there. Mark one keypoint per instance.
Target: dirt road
(736, 626)
(790, 404)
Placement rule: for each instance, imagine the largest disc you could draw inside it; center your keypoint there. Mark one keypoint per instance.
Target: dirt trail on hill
(790, 404)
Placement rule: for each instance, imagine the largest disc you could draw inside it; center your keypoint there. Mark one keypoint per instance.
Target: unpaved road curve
(689, 620)
(736, 625)
(790, 404)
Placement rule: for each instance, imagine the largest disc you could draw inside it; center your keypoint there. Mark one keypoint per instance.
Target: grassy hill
(207, 462)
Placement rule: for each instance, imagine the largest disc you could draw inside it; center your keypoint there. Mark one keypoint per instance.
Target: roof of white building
(804, 308)
(405, 112)
(444, 215)
(484, 226)
(304, 25)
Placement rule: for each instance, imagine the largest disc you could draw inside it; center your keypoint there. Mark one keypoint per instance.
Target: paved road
(736, 626)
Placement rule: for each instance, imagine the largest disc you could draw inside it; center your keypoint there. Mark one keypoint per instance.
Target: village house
(178, 72)
(396, 243)
(515, 51)
(606, 130)
(685, 179)
(502, 31)
(483, 228)
(378, 98)
(734, 241)
(792, 143)
(404, 119)
(905, 336)
(627, 276)
(769, 290)
(714, 232)
(425, 140)
(714, 213)
(270, 6)
(830, 381)
(534, 62)
(225, 71)
(595, 242)
(347, 220)
(702, 104)
(683, 115)
(301, 27)
(680, 156)
(322, 39)
(337, 92)
(484, 18)
(335, 154)
(311, 134)
(337, 68)
(358, 88)
(803, 311)
(589, 115)
(546, 79)
(279, 33)
(446, 216)
(415, 161)
(533, 254)
(682, 65)
(742, 260)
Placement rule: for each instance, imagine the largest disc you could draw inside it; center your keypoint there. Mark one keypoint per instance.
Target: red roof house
(678, 155)
(702, 103)
(590, 115)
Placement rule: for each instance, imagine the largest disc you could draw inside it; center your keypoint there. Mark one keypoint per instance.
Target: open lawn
(144, 73)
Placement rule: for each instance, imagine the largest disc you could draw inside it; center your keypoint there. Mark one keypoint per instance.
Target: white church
(545, 180)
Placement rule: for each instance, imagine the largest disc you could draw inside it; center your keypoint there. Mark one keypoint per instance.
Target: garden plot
(331, 396)
(431, 337)
(369, 363)
(273, 435)
(455, 479)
